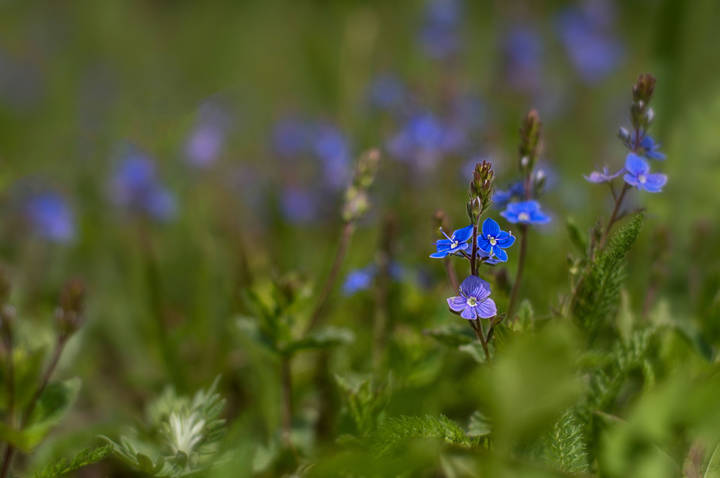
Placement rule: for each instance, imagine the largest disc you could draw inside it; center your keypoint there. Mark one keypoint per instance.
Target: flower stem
(286, 381)
(10, 450)
(477, 327)
(317, 314)
(518, 275)
(614, 215)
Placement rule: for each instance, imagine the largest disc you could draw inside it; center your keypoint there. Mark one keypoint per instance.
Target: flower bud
(529, 140)
(72, 307)
(356, 199)
(649, 115)
(624, 134)
(643, 89)
(481, 188)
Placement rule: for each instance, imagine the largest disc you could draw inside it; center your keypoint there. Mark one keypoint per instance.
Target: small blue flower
(502, 197)
(522, 49)
(135, 186)
(603, 176)
(291, 137)
(454, 244)
(650, 149)
(331, 146)
(207, 139)
(638, 175)
(386, 93)
(424, 139)
(298, 205)
(474, 300)
(50, 217)
(440, 37)
(359, 279)
(493, 241)
(525, 212)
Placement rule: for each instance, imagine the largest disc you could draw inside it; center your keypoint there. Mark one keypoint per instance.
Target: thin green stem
(518, 275)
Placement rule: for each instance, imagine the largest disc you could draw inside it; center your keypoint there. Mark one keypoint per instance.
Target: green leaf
(479, 425)
(475, 350)
(396, 431)
(53, 405)
(576, 237)
(84, 458)
(452, 335)
(320, 339)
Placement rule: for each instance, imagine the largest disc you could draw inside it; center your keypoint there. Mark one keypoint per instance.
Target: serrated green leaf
(322, 338)
(479, 425)
(84, 458)
(452, 335)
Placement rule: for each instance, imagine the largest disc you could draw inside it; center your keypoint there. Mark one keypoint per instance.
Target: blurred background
(170, 153)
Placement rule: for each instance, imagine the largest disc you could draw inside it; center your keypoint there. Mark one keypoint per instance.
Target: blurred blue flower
(298, 205)
(493, 240)
(135, 186)
(637, 174)
(603, 176)
(331, 146)
(525, 212)
(386, 92)
(50, 216)
(206, 140)
(522, 52)
(502, 197)
(474, 300)
(651, 149)
(586, 32)
(291, 137)
(359, 279)
(456, 243)
(440, 32)
(424, 139)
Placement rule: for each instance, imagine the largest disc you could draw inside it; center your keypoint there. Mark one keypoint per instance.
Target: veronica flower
(502, 197)
(493, 241)
(525, 212)
(50, 217)
(207, 138)
(359, 279)
(386, 93)
(331, 146)
(135, 186)
(637, 174)
(440, 37)
(522, 55)
(602, 176)
(291, 137)
(587, 35)
(474, 300)
(424, 139)
(454, 244)
(650, 149)
(298, 205)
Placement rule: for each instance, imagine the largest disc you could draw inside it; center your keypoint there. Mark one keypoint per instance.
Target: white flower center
(453, 245)
(471, 301)
(642, 179)
(523, 216)
(492, 240)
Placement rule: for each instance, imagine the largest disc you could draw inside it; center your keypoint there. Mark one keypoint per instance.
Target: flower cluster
(484, 244)
(641, 146)
(526, 210)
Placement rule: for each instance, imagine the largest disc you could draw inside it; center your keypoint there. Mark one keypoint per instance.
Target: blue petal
(511, 216)
(440, 254)
(469, 313)
(655, 182)
(473, 286)
(462, 235)
(505, 239)
(490, 228)
(486, 309)
(631, 180)
(457, 303)
(501, 254)
(635, 165)
(443, 244)
(484, 244)
(539, 217)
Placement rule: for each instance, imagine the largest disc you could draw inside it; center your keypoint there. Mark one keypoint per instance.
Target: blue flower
(386, 92)
(474, 300)
(638, 175)
(454, 244)
(206, 140)
(359, 279)
(525, 212)
(424, 139)
(494, 241)
(440, 32)
(602, 176)
(588, 39)
(502, 197)
(291, 137)
(50, 217)
(650, 149)
(135, 186)
(522, 52)
(331, 146)
(298, 205)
